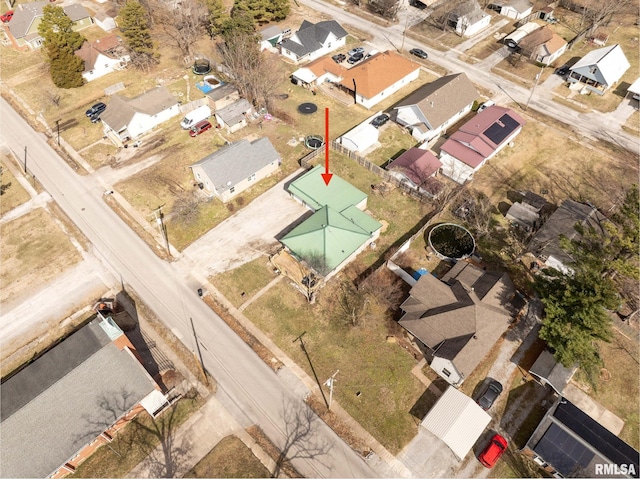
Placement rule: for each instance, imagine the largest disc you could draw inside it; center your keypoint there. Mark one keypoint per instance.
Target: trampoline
(313, 141)
(307, 108)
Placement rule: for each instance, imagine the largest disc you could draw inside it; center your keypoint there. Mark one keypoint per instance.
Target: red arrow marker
(326, 176)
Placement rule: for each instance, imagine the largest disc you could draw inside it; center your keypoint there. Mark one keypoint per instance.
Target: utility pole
(329, 382)
(195, 337)
(306, 353)
(534, 87)
(163, 228)
(25, 160)
(58, 128)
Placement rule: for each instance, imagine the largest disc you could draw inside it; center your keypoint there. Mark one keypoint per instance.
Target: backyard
(230, 458)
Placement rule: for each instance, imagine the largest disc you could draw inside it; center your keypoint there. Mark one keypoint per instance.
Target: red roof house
(417, 168)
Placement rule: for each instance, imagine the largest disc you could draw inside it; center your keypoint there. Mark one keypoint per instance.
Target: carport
(457, 420)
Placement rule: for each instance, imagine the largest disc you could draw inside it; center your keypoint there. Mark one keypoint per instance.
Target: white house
(516, 9)
(467, 18)
(102, 57)
(479, 140)
(431, 109)
(270, 37)
(229, 171)
(599, 69)
(127, 119)
(106, 20)
(312, 41)
(634, 89)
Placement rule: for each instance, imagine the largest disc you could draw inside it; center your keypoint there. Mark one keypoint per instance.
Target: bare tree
(186, 209)
(385, 8)
(383, 287)
(181, 27)
(353, 303)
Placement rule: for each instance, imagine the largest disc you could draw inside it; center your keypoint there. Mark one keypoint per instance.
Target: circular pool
(451, 241)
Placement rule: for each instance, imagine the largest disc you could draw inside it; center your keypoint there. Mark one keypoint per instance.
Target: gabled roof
(441, 99)
(635, 87)
(233, 163)
(310, 37)
(481, 136)
(25, 13)
(312, 190)
(562, 222)
(460, 317)
(377, 73)
(573, 443)
(224, 90)
(234, 113)
(543, 36)
(121, 110)
(610, 63)
(106, 46)
(519, 6)
(470, 9)
(549, 371)
(330, 235)
(272, 31)
(64, 399)
(416, 164)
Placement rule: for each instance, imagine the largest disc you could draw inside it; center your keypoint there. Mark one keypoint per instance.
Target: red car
(6, 17)
(493, 451)
(199, 127)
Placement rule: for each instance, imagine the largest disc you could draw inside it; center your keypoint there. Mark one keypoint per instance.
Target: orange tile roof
(325, 64)
(377, 73)
(556, 43)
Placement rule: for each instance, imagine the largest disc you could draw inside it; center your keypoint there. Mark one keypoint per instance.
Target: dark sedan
(355, 58)
(494, 388)
(96, 109)
(419, 53)
(380, 120)
(339, 58)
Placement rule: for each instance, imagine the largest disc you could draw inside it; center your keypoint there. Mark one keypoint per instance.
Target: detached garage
(457, 420)
(361, 138)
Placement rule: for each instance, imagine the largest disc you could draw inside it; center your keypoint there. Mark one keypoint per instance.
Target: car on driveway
(489, 396)
(419, 53)
(492, 452)
(353, 51)
(7, 16)
(563, 70)
(96, 109)
(339, 58)
(418, 4)
(355, 58)
(199, 127)
(380, 120)
(486, 105)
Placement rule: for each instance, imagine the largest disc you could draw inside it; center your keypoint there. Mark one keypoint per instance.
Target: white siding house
(312, 41)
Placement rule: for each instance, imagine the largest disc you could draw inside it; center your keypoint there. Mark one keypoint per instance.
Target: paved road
(247, 387)
(595, 124)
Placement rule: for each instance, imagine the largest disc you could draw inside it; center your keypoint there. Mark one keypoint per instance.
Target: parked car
(380, 120)
(353, 51)
(494, 388)
(339, 58)
(96, 109)
(418, 4)
(7, 16)
(563, 70)
(496, 447)
(199, 127)
(486, 105)
(419, 53)
(355, 58)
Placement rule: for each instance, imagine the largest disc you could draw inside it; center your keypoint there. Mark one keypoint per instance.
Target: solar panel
(501, 129)
(563, 451)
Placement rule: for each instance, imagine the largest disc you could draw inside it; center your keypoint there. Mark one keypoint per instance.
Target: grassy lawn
(138, 439)
(633, 123)
(230, 458)
(435, 37)
(484, 48)
(395, 140)
(100, 154)
(620, 393)
(240, 284)
(15, 194)
(33, 250)
(375, 384)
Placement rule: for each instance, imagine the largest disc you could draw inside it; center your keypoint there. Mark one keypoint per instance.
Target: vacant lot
(230, 458)
(240, 284)
(33, 250)
(13, 194)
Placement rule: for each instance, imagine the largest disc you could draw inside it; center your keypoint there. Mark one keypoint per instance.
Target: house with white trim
(599, 69)
(313, 40)
(102, 57)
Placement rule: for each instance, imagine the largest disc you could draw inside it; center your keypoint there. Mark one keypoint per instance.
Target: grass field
(240, 284)
(14, 194)
(230, 458)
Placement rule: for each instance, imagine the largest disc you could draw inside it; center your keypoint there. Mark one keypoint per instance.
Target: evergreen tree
(60, 43)
(216, 17)
(263, 11)
(135, 27)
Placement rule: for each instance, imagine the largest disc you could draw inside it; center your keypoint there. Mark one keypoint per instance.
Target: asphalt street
(250, 390)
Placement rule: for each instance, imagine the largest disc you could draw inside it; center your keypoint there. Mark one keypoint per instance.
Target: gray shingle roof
(51, 409)
(26, 13)
(234, 113)
(312, 36)
(231, 164)
(120, 110)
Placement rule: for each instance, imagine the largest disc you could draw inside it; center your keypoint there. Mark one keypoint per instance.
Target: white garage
(361, 138)
(457, 420)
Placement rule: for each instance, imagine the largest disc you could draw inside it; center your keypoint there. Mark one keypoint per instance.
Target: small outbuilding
(233, 117)
(457, 420)
(360, 138)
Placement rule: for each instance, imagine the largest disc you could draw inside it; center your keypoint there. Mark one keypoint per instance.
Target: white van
(193, 117)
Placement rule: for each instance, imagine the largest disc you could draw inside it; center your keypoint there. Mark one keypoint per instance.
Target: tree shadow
(301, 442)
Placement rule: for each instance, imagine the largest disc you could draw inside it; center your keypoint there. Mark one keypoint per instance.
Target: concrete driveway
(245, 236)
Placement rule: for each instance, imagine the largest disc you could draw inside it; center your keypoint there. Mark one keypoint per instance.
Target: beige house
(22, 30)
(232, 169)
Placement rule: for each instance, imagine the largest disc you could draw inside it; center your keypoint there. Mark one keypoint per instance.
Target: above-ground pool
(313, 141)
(451, 241)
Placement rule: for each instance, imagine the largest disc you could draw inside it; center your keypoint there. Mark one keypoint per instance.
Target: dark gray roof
(52, 408)
(120, 110)
(234, 113)
(311, 36)
(523, 214)
(442, 99)
(573, 443)
(236, 162)
(25, 13)
(562, 222)
(548, 371)
(270, 32)
(225, 90)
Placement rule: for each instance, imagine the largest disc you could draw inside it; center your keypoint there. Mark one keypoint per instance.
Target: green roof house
(338, 230)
